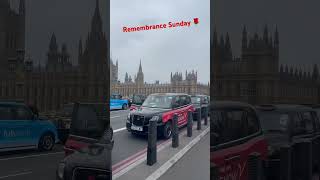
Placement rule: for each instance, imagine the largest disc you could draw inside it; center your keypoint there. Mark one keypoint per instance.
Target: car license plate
(136, 128)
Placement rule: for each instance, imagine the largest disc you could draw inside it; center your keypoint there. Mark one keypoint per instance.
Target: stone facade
(59, 81)
(257, 77)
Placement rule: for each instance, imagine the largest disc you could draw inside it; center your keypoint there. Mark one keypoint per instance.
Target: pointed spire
(80, 47)
(96, 24)
(244, 38)
(53, 43)
(276, 37)
(266, 34)
(22, 7)
(140, 67)
(315, 72)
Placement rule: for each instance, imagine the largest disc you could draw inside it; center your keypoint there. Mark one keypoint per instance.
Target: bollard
(206, 116)
(175, 131)
(199, 119)
(285, 163)
(214, 175)
(152, 141)
(190, 124)
(303, 159)
(255, 168)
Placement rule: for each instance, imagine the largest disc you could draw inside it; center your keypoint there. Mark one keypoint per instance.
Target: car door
(230, 147)
(6, 128)
(26, 129)
(179, 110)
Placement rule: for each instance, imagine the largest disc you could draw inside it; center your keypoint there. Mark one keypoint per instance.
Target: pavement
(194, 164)
(128, 148)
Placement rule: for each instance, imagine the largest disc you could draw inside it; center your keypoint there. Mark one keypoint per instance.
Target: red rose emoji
(196, 20)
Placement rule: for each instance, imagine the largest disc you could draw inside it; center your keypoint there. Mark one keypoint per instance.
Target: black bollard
(152, 141)
(285, 163)
(190, 124)
(199, 119)
(175, 131)
(206, 111)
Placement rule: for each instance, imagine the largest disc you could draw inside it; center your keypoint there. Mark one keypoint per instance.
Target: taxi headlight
(61, 168)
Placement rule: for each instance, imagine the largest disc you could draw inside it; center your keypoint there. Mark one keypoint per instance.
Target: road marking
(131, 162)
(125, 166)
(164, 168)
(16, 174)
(120, 129)
(31, 156)
(114, 117)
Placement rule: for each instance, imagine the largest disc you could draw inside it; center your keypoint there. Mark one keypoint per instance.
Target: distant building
(59, 81)
(256, 76)
(177, 84)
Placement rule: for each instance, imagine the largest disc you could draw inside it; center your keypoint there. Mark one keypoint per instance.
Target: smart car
(163, 105)
(21, 129)
(116, 102)
(237, 143)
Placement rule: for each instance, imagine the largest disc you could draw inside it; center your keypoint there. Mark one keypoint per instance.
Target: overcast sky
(70, 20)
(297, 21)
(161, 51)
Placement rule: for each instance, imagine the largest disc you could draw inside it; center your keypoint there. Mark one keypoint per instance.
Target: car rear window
(195, 100)
(274, 120)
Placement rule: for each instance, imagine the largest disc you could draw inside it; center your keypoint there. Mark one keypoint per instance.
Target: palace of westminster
(257, 77)
(59, 81)
(178, 84)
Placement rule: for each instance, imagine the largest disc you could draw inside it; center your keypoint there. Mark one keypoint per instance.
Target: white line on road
(164, 168)
(114, 117)
(16, 174)
(120, 129)
(30, 156)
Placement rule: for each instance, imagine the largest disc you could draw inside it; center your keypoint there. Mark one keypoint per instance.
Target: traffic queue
(271, 141)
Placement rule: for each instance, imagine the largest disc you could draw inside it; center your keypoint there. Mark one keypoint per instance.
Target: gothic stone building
(257, 77)
(177, 85)
(59, 81)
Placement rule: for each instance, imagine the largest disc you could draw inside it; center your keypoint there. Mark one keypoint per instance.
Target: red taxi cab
(237, 144)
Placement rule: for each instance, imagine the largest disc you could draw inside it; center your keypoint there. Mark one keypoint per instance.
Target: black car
(284, 125)
(164, 106)
(88, 148)
(137, 99)
(197, 101)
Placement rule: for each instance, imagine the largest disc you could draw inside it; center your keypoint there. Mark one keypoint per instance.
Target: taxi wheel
(167, 130)
(46, 142)
(124, 106)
